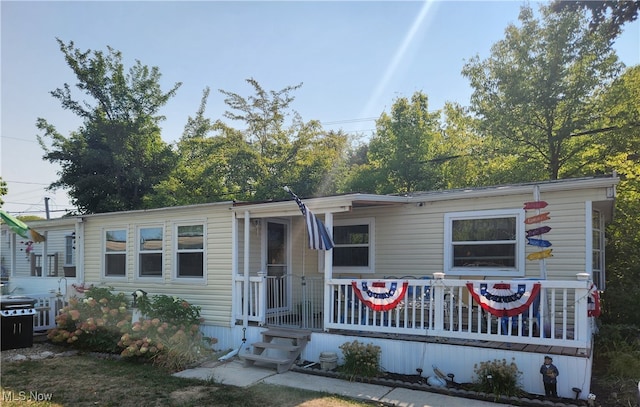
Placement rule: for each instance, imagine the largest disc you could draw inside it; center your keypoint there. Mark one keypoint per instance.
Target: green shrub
(498, 378)
(91, 323)
(360, 360)
(618, 346)
(169, 334)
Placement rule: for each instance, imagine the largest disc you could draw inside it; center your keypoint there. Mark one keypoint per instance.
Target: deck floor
(531, 348)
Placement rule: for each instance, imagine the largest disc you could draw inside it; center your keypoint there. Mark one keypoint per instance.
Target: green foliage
(360, 360)
(170, 309)
(498, 377)
(115, 158)
(169, 334)
(92, 323)
(537, 94)
(619, 345)
(398, 159)
(3, 190)
(272, 146)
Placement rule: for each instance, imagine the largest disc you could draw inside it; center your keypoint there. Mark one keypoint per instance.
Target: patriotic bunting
(380, 295)
(504, 299)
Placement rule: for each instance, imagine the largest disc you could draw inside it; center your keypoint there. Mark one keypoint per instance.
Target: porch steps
(279, 347)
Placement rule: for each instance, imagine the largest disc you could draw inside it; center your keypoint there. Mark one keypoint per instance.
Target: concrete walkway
(234, 373)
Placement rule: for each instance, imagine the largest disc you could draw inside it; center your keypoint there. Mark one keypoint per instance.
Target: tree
(281, 151)
(217, 161)
(3, 190)
(117, 155)
(623, 259)
(399, 154)
(538, 92)
(612, 14)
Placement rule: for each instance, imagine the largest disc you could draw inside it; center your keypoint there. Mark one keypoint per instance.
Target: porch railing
(446, 308)
(47, 306)
(286, 301)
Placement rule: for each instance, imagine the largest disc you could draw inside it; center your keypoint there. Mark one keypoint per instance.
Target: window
(115, 253)
(190, 251)
(598, 249)
(353, 251)
(485, 242)
(69, 249)
(150, 252)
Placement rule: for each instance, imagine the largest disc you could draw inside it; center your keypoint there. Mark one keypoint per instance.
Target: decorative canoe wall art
(538, 231)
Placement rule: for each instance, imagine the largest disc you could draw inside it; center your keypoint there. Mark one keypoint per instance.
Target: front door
(277, 248)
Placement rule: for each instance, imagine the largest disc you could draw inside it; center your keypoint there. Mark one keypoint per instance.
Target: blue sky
(353, 58)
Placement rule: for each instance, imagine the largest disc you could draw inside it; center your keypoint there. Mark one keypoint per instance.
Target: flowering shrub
(360, 360)
(92, 323)
(169, 335)
(498, 377)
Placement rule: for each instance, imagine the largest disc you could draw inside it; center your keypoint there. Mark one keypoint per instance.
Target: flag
(21, 228)
(319, 237)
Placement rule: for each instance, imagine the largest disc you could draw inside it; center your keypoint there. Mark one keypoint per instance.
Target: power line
(26, 182)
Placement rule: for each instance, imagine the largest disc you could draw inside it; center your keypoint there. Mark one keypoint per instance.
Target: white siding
(213, 294)
(409, 238)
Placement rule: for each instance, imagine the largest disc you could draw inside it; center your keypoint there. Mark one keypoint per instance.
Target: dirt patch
(190, 394)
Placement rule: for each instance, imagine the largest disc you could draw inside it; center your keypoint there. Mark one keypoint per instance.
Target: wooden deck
(521, 347)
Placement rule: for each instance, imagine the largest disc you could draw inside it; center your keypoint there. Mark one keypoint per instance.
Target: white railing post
(437, 291)
(262, 297)
(581, 317)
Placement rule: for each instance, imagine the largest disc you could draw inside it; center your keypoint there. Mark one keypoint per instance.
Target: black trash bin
(16, 315)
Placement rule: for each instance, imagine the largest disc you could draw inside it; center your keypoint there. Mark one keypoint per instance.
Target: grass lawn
(89, 381)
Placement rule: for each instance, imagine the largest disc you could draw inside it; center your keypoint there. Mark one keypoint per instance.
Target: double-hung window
(485, 243)
(150, 245)
(354, 246)
(190, 251)
(115, 253)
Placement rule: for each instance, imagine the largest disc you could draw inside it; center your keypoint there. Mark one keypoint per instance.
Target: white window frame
(105, 253)
(599, 229)
(517, 271)
(139, 252)
(69, 250)
(187, 279)
(371, 269)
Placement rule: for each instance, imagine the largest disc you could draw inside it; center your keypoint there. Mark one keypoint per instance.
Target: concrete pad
(415, 398)
(363, 391)
(231, 373)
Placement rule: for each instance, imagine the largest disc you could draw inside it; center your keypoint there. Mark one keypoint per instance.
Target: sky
(353, 58)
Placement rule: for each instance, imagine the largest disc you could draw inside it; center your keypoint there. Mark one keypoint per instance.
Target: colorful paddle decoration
(537, 218)
(538, 231)
(540, 255)
(504, 299)
(535, 205)
(380, 295)
(538, 242)
(21, 228)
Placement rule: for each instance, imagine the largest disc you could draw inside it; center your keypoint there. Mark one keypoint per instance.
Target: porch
(438, 310)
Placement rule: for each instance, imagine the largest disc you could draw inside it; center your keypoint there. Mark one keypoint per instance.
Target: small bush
(498, 378)
(92, 323)
(619, 346)
(360, 360)
(169, 335)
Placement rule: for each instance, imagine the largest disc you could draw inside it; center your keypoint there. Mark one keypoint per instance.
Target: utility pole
(46, 206)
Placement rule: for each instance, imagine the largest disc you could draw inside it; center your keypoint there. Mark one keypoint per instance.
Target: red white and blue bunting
(380, 295)
(593, 302)
(504, 299)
